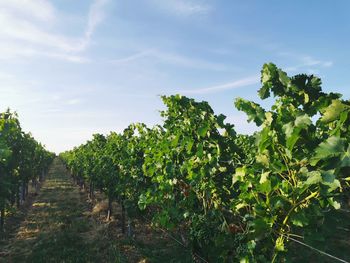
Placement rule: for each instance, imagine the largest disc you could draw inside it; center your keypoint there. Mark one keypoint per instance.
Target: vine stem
(314, 194)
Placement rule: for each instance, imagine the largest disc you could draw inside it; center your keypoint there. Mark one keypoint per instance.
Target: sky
(74, 68)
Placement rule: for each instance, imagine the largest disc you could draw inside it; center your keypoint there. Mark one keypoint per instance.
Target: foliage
(21, 159)
(235, 197)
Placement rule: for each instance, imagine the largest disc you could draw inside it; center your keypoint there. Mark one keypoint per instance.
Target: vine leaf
(332, 147)
(254, 111)
(333, 111)
(314, 177)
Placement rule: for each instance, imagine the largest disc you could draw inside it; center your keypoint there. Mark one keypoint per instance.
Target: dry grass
(58, 228)
(64, 225)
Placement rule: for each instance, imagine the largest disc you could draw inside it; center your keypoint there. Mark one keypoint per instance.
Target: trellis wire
(316, 249)
(177, 241)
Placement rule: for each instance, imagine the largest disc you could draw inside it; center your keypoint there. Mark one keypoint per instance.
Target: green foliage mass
(236, 198)
(22, 159)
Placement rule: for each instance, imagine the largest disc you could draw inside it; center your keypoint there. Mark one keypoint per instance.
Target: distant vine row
(22, 159)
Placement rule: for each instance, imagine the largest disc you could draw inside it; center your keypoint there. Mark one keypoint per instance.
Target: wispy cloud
(25, 32)
(222, 87)
(13, 49)
(182, 7)
(158, 56)
(41, 10)
(96, 16)
(133, 57)
(66, 57)
(185, 61)
(310, 61)
(307, 62)
(74, 101)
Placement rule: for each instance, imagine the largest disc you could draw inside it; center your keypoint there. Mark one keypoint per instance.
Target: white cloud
(227, 86)
(182, 7)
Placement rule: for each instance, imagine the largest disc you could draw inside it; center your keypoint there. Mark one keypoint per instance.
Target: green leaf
(333, 111)
(314, 177)
(302, 121)
(333, 186)
(345, 158)
(278, 202)
(264, 92)
(239, 175)
(333, 203)
(263, 139)
(268, 118)
(292, 129)
(254, 111)
(202, 131)
(175, 140)
(200, 150)
(265, 187)
(244, 260)
(264, 177)
(263, 159)
(268, 72)
(265, 183)
(336, 205)
(220, 120)
(142, 203)
(329, 179)
(332, 147)
(260, 227)
(150, 170)
(189, 146)
(283, 78)
(299, 219)
(288, 129)
(328, 176)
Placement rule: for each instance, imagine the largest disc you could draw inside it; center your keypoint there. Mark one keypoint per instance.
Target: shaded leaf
(332, 147)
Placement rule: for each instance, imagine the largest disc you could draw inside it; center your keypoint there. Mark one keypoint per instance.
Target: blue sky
(74, 68)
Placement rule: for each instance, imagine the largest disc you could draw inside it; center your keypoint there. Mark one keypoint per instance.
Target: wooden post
(123, 217)
(109, 214)
(2, 219)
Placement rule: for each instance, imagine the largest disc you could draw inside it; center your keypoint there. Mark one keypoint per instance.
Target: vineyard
(22, 160)
(279, 195)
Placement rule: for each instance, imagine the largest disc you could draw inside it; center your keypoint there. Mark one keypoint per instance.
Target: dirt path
(58, 228)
